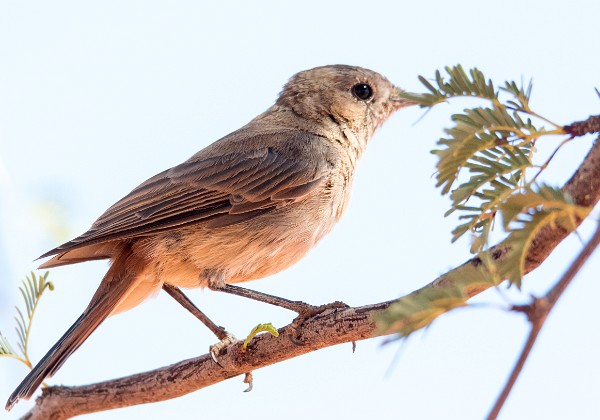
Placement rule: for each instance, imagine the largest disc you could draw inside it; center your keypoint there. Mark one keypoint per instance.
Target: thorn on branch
(536, 311)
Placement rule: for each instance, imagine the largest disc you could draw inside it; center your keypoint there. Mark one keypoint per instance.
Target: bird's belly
(251, 250)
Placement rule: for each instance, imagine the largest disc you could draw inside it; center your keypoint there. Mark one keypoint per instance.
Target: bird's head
(356, 97)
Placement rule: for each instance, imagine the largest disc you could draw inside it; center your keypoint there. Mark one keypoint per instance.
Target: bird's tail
(116, 285)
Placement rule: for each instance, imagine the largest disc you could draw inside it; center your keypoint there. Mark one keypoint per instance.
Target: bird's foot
(216, 349)
(307, 312)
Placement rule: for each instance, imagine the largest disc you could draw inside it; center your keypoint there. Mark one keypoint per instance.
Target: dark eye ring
(362, 91)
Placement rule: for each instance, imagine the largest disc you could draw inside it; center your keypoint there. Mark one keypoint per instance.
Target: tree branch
(328, 329)
(324, 330)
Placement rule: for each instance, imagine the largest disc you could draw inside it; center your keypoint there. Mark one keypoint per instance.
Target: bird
(247, 206)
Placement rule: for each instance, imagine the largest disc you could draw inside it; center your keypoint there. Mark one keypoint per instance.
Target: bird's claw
(248, 379)
(216, 349)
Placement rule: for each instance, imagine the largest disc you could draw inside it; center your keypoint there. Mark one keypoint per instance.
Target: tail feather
(116, 285)
(58, 354)
(101, 251)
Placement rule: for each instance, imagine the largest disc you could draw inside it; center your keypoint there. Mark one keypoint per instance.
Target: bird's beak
(398, 101)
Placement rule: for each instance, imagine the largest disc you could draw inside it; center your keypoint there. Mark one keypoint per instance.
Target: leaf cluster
(485, 166)
(485, 158)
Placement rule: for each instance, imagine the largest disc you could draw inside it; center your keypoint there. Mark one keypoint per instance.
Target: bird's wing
(216, 189)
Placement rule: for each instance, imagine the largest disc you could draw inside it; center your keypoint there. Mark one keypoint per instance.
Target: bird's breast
(253, 249)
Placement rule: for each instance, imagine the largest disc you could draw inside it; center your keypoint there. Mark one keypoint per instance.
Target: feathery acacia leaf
(5, 347)
(483, 164)
(458, 84)
(524, 215)
(544, 197)
(484, 136)
(487, 151)
(521, 95)
(31, 290)
(418, 310)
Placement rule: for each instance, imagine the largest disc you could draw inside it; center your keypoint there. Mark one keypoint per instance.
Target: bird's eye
(362, 91)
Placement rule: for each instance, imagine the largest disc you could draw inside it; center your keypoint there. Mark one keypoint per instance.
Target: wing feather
(215, 188)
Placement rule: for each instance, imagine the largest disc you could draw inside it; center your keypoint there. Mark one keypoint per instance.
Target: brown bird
(247, 206)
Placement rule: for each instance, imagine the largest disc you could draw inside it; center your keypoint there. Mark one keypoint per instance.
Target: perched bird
(249, 205)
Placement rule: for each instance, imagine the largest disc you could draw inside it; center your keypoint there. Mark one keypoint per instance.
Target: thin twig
(537, 313)
(545, 164)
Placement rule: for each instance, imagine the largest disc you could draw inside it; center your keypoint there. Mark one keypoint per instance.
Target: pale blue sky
(95, 97)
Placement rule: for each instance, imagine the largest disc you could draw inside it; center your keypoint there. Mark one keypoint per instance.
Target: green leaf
(419, 310)
(458, 83)
(522, 96)
(543, 197)
(5, 347)
(479, 133)
(524, 215)
(480, 218)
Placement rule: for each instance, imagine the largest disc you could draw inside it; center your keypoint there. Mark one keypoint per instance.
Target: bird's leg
(304, 310)
(184, 301)
(224, 337)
